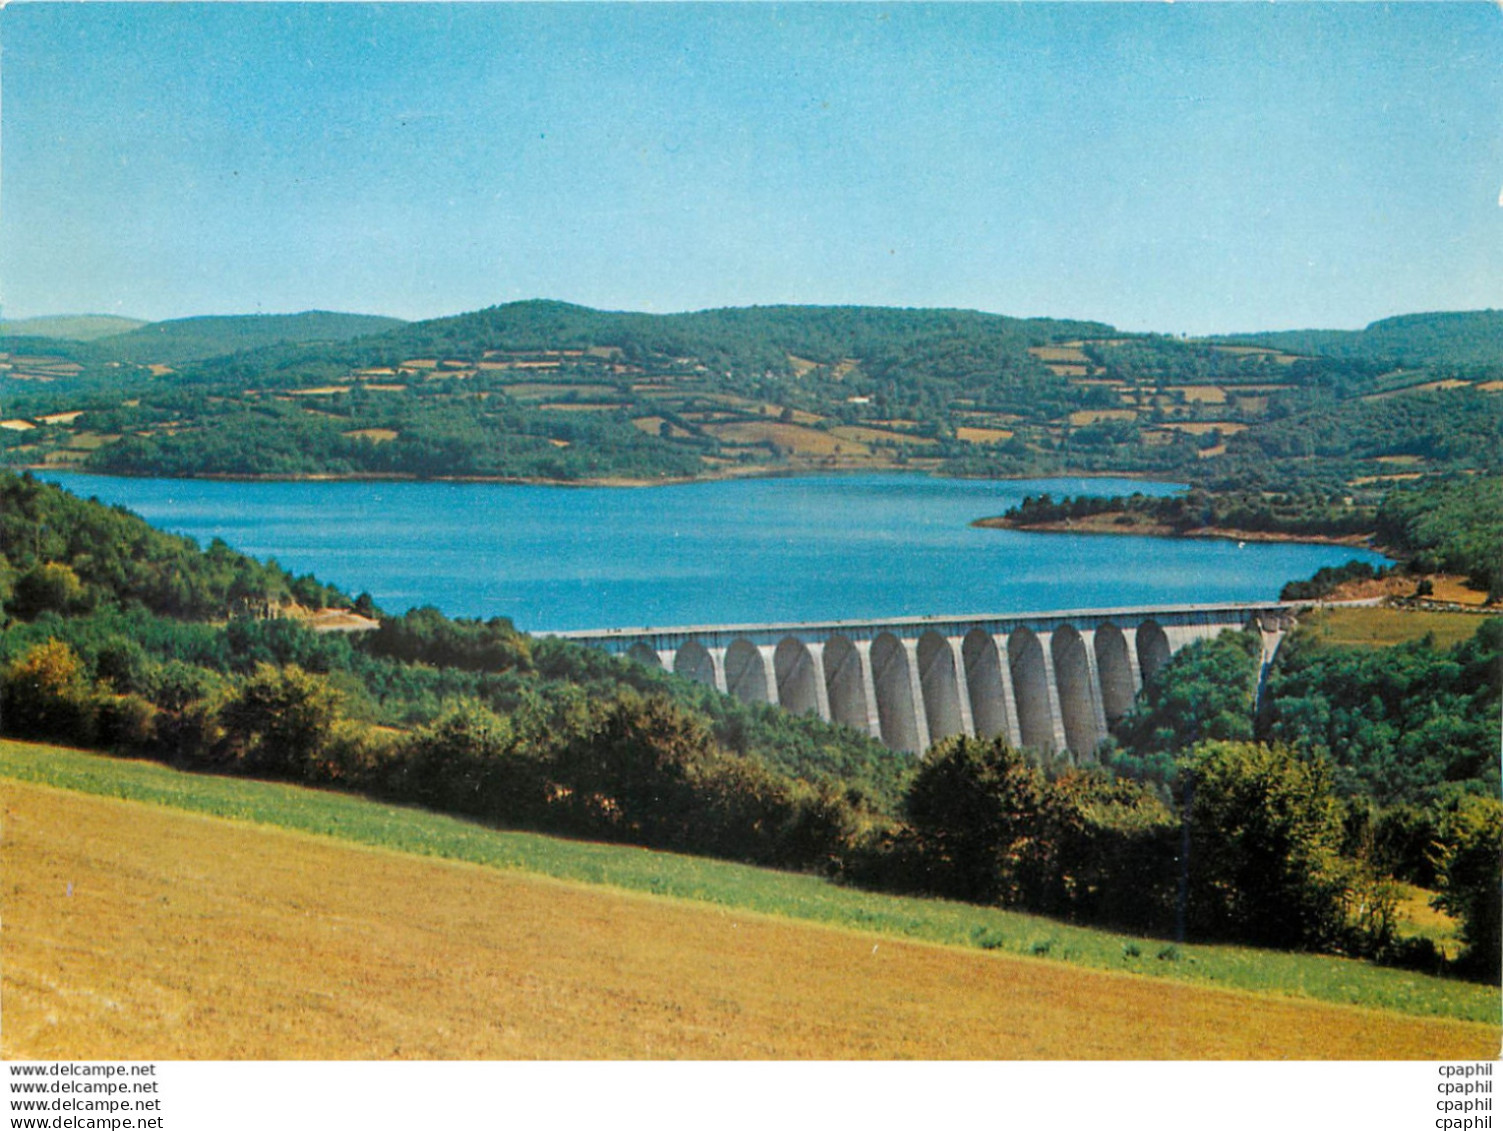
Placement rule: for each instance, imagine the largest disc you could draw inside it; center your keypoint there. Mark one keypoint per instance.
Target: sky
(1183, 168)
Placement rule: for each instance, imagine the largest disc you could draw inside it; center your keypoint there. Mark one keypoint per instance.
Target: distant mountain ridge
(192, 339)
(822, 333)
(742, 337)
(70, 327)
(1439, 337)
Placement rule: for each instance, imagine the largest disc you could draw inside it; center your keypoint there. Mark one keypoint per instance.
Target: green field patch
(731, 885)
(656, 425)
(375, 435)
(544, 391)
(1419, 920)
(860, 435)
(1063, 353)
(89, 441)
(1381, 627)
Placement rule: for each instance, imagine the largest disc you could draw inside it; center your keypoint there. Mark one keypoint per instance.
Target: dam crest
(1049, 681)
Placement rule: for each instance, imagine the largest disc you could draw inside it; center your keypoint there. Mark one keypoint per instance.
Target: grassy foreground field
(182, 935)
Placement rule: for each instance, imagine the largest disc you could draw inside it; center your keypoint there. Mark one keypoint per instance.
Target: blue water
(730, 552)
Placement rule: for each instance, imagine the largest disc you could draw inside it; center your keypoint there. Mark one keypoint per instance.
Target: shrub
(279, 719)
(469, 761)
(126, 722)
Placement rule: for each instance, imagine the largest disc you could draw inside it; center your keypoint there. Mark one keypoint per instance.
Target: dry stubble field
(133, 931)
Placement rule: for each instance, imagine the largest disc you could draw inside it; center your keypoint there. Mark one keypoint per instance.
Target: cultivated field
(1095, 415)
(983, 435)
(133, 930)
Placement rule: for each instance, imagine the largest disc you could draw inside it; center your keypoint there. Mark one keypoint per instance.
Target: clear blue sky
(1184, 168)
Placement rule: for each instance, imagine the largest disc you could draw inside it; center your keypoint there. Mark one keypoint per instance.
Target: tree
(1470, 875)
(632, 772)
(1265, 833)
(49, 585)
(988, 827)
(468, 760)
(46, 694)
(1205, 691)
(280, 719)
(977, 809)
(1117, 845)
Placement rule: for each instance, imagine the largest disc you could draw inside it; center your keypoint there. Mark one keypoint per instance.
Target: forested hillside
(1402, 740)
(546, 390)
(194, 339)
(1408, 340)
(1455, 526)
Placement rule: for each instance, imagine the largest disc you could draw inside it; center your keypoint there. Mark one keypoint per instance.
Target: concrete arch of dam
(1050, 681)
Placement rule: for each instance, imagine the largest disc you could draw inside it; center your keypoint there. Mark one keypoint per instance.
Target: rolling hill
(552, 391)
(194, 339)
(70, 327)
(1445, 338)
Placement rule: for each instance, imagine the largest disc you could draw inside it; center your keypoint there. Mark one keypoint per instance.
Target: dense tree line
(1307, 511)
(1405, 340)
(433, 438)
(641, 770)
(1455, 526)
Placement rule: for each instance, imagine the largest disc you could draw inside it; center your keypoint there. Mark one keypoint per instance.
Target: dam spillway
(1049, 681)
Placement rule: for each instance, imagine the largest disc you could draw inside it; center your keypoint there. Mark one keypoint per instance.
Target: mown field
(1380, 626)
(134, 930)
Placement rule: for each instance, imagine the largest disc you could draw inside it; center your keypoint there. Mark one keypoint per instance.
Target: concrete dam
(1051, 681)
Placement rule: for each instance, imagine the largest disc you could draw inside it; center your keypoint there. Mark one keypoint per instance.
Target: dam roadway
(1050, 681)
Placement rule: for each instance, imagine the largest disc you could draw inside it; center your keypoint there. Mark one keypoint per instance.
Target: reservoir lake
(725, 552)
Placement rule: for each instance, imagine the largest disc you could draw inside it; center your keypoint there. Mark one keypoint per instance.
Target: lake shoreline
(723, 475)
(1107, 524)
